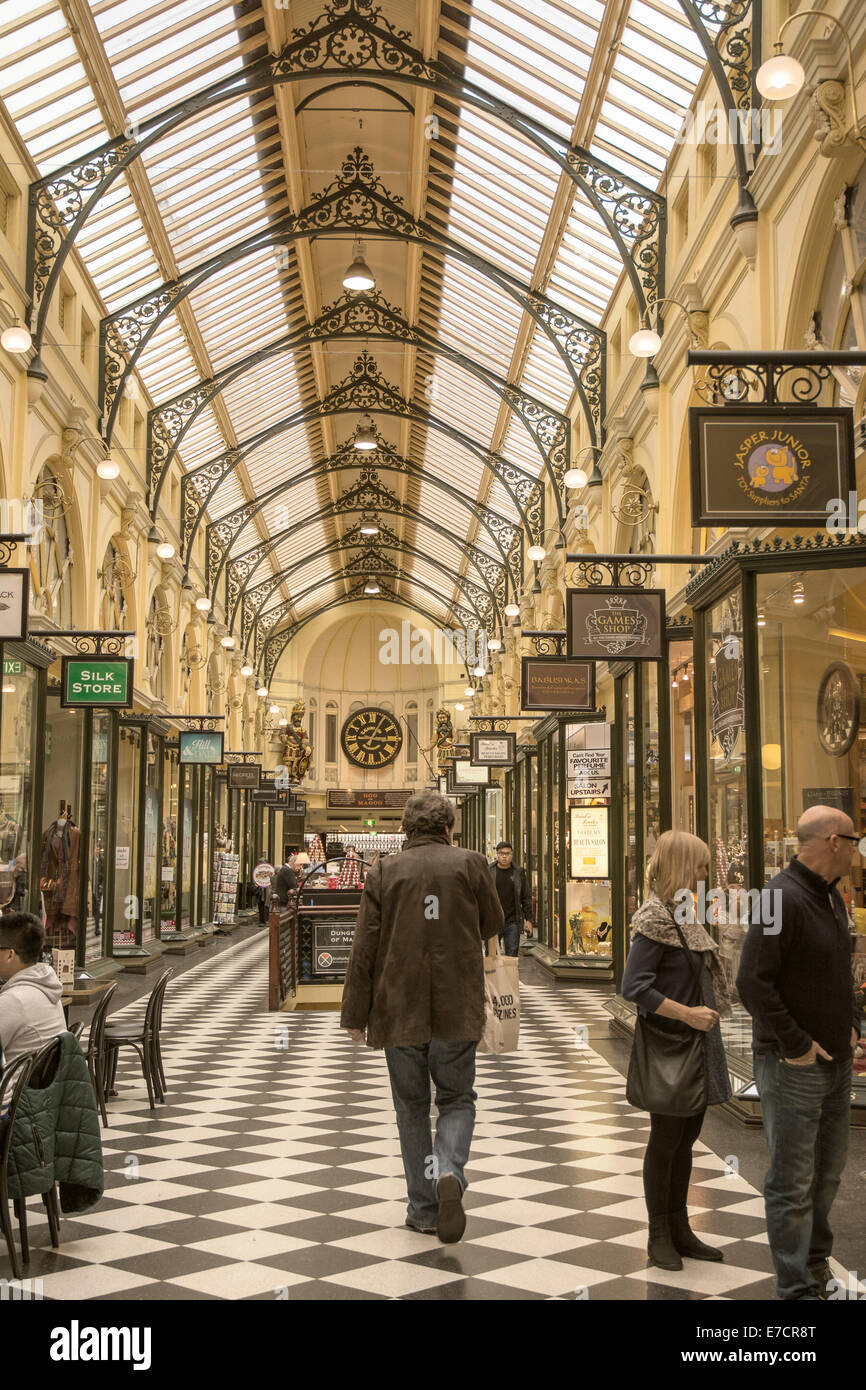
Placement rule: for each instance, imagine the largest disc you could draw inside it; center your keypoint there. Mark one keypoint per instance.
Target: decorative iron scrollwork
(598, 572)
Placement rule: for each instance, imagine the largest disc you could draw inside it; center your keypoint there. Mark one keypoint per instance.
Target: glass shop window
(682, 681)
(60, 868)
(17, 741)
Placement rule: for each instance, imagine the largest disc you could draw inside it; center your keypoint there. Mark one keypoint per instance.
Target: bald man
(795, 980)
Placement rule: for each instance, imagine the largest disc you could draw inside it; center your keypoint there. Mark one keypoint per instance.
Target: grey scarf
(655, 920)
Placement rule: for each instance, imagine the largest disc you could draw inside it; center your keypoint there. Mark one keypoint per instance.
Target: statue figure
(443, 738)
(297, 749)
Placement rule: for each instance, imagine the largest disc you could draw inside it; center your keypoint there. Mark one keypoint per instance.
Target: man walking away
(513, 889)
(795, 980)
(415, 983)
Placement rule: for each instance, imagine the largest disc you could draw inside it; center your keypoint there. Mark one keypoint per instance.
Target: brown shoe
(451, 1218)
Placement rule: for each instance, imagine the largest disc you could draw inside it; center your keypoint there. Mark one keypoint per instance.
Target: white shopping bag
(501, 1002)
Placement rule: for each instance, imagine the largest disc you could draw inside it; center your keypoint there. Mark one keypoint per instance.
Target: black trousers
(667, 1165)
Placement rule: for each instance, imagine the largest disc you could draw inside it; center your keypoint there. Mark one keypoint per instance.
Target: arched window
(411, 732)
(51, 559)
(331, 732)
(114, 577)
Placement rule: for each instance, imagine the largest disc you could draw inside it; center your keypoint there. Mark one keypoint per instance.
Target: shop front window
(151, 838)
(204, 857)
(17, 741)
(126, 907)
(60, 867)
(726, 774)
(632, 887)
(532, 856)
(168, 876)
(495, 824)
(681, 668)
(556, 866)
(98, 849)
(186, 852)
(652, 823)
(544, 841)
(588, 911)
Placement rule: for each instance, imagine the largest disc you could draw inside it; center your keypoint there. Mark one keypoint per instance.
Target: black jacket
(522, 895)
(796, 983)
(284, 882)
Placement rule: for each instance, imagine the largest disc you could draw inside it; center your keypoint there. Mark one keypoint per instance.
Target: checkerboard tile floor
(274, 1170)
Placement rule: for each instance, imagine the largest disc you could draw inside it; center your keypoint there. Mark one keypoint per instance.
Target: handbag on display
(667, 1071)
(501, 1001)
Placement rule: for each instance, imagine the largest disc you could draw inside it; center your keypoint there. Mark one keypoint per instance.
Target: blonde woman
(673, 972)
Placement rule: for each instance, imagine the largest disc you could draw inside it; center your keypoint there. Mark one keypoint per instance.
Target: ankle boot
(687, 1243)
(661, 1249)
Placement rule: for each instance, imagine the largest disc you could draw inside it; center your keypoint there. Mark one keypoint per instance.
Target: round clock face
(371, 738)
(838, 709)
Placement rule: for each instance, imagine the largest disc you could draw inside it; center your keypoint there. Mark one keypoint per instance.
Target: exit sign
(370, 822)
(96, 682)
(12, 668)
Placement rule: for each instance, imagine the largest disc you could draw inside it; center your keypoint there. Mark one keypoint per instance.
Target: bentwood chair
(96, 1053)
(12, 1086)
(145, 1040)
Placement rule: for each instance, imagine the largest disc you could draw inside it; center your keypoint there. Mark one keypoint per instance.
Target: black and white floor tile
(273, 1171)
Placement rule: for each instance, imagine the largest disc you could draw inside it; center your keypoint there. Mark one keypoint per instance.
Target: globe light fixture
(246, 669)
(16, 337)
(202, 603)
(512, 610)
(282, 723)
(165, 550)
(262, 692)
(469, 692)
(644, 343)
(536, 554)
(780, 77)
(108, 469)
(371, 587)
(227, 642)
(494, 644)
(365, 436)
(273, 709)
(479, 671)
(575, 477)
(359, 276)
(459, 708)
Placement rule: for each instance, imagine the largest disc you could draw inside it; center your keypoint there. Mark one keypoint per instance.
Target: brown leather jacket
(416, 971)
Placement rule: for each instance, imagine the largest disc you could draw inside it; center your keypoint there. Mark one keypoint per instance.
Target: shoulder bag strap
(689, 957)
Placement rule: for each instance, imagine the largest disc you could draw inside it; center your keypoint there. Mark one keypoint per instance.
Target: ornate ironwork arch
(363, 389)
(276, 643)
(221, 534)
(349, 36)
(370, 561)
(367, 315)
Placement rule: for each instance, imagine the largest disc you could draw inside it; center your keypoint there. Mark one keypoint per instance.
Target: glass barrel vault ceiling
(229, 172)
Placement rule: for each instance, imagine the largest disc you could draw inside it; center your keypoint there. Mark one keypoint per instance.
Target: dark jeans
(667, 1165)
(510, 939)
(806, 1114)
(452, 1067)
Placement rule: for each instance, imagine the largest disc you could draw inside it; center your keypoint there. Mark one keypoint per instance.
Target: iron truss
(362, 389)
(349, 36)
(734, 56)
(277, 641)
(364, 315)
(370, 561)
(221, 534)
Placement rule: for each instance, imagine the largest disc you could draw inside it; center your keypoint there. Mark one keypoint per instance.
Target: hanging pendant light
(365, 435)
(371, 587)
(369, 526)
(359, 276)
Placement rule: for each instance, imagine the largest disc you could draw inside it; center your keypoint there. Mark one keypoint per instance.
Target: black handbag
(667, 1071)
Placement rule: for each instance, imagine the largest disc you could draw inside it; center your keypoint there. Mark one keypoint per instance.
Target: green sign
(370, 822)
(12, 668)
(96, 682)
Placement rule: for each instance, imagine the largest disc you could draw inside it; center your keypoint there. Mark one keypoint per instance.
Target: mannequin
(11, 856)
(58, 877)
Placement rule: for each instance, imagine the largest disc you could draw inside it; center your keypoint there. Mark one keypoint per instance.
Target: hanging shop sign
(554, 683)
(727, 697)
(271, 796)
(332, 946)
(463, 777)
(757, 465)
(588, 842)
(96, 682)
(200, 746)
(607, 624)
(361, 800)
(14, 598)
(842, 798)
(244, 774)
(838, 709)
(588, 772)
(300, 806)
(492, 750)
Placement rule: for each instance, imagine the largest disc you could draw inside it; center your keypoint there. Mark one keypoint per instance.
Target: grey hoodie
(30, 1011)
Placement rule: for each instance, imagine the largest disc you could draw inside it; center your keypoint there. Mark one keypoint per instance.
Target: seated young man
(30, 1010)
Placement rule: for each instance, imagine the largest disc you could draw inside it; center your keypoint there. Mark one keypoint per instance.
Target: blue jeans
(452, 1067)
(806, 1114)
(510, 939)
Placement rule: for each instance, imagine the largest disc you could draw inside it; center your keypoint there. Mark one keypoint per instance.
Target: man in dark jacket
(795, 981)
(415, 982)
(512, 887)
(284, 882)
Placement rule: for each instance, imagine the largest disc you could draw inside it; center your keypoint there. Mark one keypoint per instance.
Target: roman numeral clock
(371, 738)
